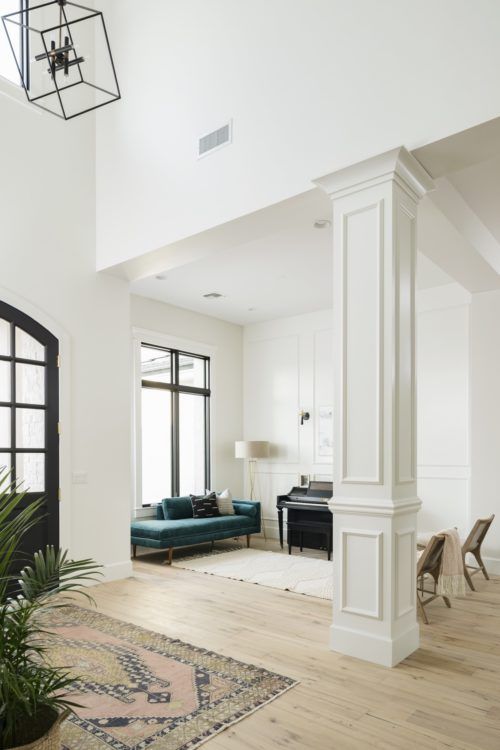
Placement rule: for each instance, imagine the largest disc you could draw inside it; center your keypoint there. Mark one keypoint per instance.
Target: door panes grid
(23, 406)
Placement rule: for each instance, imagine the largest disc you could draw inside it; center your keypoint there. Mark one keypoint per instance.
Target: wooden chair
(429, 564)
(472, 545)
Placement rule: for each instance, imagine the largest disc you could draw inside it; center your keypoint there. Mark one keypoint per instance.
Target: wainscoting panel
(362, 320)
(289, 367)
(445, 499)
(323, 395)
(405, 571)
(272, 395)
(405, 347)
(361, 595)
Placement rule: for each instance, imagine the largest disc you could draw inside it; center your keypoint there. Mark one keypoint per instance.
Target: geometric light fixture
(63, 56)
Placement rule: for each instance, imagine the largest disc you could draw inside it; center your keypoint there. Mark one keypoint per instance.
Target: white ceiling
(281, 271)
(274, 263)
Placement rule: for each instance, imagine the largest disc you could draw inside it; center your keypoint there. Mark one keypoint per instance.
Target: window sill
(145, 512)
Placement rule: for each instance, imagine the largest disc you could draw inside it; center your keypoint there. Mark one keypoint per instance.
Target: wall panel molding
(405, 396)
(361, 451)
(361, 597)
(405, 566)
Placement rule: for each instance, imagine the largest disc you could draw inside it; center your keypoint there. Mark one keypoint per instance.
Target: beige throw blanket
(451, 576)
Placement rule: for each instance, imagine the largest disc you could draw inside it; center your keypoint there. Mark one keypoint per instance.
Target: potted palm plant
(34, 697)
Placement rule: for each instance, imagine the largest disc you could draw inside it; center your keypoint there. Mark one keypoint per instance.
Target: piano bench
(311, 527)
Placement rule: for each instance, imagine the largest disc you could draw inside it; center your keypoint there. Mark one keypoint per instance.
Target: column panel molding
(368, 466)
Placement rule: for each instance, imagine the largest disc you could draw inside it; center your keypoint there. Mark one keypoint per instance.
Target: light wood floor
(447, 695)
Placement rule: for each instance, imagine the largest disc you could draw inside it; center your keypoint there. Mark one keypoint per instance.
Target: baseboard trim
(116, 571)
(385, 652)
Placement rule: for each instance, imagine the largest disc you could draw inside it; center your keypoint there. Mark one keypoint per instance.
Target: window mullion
(175, 445)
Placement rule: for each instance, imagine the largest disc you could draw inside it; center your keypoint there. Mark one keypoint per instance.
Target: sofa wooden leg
(134, 550)
(170, 554)
(248, 540)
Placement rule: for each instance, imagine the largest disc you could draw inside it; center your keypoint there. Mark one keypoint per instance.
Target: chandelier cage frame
(60, 59)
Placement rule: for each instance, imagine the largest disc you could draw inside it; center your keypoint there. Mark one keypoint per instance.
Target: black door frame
(51, 493)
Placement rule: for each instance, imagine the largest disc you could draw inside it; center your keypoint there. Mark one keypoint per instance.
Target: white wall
(47, 268)
(485, 417)
(287, 367)
(227, 340)
(312, 86)
(443, 407)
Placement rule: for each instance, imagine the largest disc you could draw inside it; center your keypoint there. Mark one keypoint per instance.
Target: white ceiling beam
(441, 241)
(451, 202)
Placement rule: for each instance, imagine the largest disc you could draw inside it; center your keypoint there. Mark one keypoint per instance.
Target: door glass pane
(5, 427)
(30, 428)
(4, 338)
(30, 384)
(191, 443)
(30, 469)
(156, 438)
(27, 347)
(5, 394)
(156, 364)
(191, 371)
(5, 461)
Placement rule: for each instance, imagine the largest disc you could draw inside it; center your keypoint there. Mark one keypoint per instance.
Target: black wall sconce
(304, 416)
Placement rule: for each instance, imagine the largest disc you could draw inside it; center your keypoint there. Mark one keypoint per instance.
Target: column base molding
(390, 508)
(386, 652)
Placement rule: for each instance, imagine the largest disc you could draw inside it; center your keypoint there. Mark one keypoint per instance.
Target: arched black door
(29, 416)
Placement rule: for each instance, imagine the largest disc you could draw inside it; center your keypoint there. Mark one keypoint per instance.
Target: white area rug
(302, 575)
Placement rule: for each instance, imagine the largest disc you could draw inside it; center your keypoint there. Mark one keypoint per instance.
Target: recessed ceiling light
(160, 277)
(213, 295)
(322, 223)
(251, 309)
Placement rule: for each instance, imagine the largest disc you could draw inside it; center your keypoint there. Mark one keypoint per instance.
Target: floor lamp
(252, 450)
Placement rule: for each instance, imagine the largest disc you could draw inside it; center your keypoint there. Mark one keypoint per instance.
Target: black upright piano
(309, 519)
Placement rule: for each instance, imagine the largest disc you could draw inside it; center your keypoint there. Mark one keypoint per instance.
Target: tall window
(18, 43)
(175, 423)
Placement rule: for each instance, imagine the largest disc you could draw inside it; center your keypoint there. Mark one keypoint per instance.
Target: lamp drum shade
(251, 449)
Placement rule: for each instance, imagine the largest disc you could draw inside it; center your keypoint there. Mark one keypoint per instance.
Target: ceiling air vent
(213, 295)
(215, 140)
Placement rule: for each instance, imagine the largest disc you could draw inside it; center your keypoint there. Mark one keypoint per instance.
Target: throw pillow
(225, 503)
(204, 506)
(175, 508)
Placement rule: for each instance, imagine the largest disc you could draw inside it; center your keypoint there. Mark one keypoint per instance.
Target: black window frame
(23, 64)
(176, 389)
(49, 526)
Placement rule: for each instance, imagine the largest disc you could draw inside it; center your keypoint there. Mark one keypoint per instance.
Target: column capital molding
(386, 507)
(396, 165)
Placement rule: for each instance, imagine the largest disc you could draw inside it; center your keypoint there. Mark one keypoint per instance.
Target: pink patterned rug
(143, 691)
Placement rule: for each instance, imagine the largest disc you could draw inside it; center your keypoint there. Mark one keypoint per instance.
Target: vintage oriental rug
(302, 575)
(145, 691)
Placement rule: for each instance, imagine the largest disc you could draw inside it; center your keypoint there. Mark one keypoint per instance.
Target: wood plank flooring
(447, 695)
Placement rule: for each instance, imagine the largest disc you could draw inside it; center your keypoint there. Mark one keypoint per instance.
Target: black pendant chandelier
(63, 57)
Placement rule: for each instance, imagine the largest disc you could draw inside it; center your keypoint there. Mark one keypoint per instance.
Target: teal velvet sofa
(175, 526)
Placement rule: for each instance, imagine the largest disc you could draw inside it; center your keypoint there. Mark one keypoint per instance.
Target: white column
(375, 500)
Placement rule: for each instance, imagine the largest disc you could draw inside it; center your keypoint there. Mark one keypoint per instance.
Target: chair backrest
(477, 534)
(430, 558)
